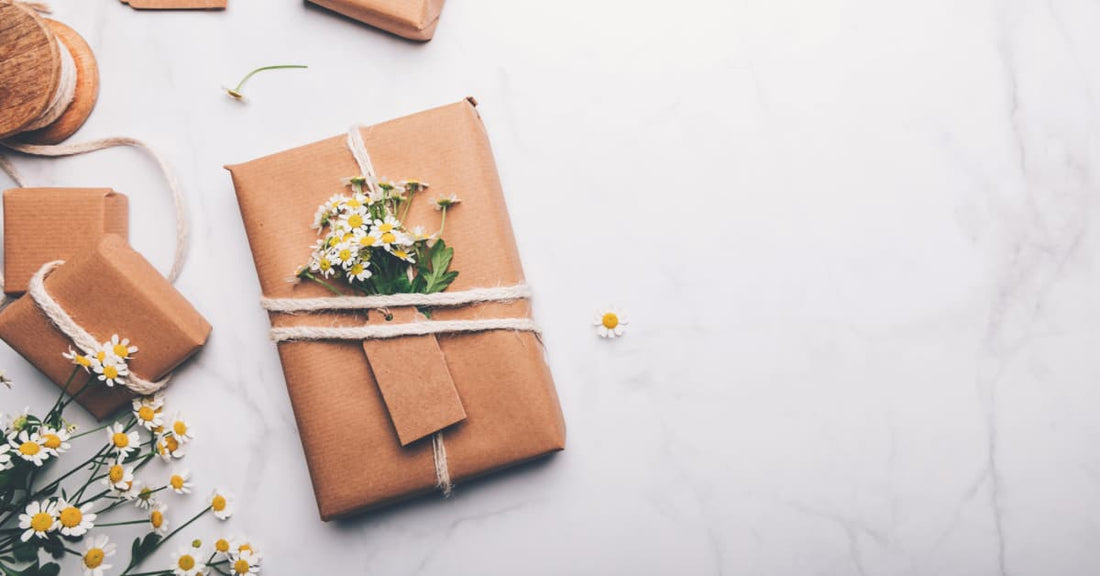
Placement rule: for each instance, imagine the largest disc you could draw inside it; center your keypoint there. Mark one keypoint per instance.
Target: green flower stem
(331, 288)
(408, 205)
(236, 92)
(93, 431)
(57, 405)
(124, 523)
(442, 221)
(153, 573)
(86, 385)
(165, 539)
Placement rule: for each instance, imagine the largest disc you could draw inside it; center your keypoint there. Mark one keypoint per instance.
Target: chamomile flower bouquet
(363, 240)
(49, 510)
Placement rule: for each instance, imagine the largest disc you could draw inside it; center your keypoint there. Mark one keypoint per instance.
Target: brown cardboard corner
(410, 19)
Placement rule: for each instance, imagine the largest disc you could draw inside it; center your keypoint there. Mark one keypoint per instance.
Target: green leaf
(54, 547)
(438, 277)
(50, 569)
(26, 552)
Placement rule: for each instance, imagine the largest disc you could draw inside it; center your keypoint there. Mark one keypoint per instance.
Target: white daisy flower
(322, 264)
(148, 411)
(96, 550)
(420, 235)
(221, 503)
(129, 490)
(121, 441)
(121, 347)
(413, 185)
(169, 447)
(38, 519)
(366, 238)
(73, 520)
(56, 441)
(5, 458)
(29, 447)
(85, 362)
(180, 481)
(446, 201)
(388, 231)
(157, 519)
(244, 563)
(146, 499)
(403, 254)
(181, 429)
(358, 272)
(119, 477)
(610, 323)
(111, 370)
(184, 563)
(344, 254)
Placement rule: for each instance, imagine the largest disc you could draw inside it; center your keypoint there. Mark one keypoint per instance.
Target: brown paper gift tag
(97, 212)
(412, 19)
(412, 375)
(110, 289)
(176, 4)
(355, 456)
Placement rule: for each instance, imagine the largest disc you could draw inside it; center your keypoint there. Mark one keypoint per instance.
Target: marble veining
(854, 239)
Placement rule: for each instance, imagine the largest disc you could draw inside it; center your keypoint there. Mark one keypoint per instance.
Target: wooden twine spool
(31, 75)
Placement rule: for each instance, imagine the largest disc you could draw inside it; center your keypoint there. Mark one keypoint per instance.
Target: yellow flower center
(171, 444)
(355, 220)
(116, 474)
(368, 240)
(156, 518)
(218, 503)
(29, 448)
(241, 566)
(353, 203)
(94, 557)
(71, 517)
(110, 372)
(83, 361)
(610, 320)
(222, 545)
(385, 227)
(389, 238)
(401, 254)
(41, 522)
(101, 356)
(120, 440)
(345, 255)
(51, 441)
(122, 351)
(146, 413)
(356, 269)
(176, 481)
(245, 548)
(324, 264)
(186, 562)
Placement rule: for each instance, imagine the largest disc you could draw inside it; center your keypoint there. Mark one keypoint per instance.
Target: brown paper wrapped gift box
(96, 212)
(355, 455)
(108, 289)
(412, 19)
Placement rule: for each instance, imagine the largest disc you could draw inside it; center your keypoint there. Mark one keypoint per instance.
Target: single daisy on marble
(222, 504)
(610, 323)
(38, 519)
(148, 411)
(96, 550)
(157, 520)
(184, 563)
(73, 520)
(121, 441)
(246, 562)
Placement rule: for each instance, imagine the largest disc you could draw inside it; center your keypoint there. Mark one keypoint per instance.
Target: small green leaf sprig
(363, 241)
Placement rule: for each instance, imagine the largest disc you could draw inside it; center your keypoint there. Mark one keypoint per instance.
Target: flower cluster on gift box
(364, 241)
(41, 522)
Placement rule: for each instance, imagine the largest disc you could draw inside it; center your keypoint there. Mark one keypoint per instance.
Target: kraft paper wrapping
(512, 414)
(96, 212)
(109, 289)
(412, 19)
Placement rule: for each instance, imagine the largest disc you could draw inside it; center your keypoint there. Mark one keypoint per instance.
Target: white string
(63, 96)
(65, 323)
(362, 158)
(437, 300)
(182, 231)
(10, 170)
(442, 470)
(388, 331)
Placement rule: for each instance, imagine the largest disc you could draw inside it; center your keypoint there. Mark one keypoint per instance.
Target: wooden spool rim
(30, 67)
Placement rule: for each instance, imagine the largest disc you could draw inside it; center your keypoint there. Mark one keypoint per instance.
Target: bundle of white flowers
(41, 522)
(364, 241)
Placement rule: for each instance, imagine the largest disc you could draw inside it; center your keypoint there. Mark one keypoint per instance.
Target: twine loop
(69, 327)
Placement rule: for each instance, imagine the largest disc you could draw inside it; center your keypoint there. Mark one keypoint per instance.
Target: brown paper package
(511, 411)
(176, 4)
(109, 289)
(412, 19)
(101, 211)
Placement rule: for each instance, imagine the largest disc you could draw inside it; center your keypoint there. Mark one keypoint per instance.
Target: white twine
(83, 340)
(383, 331)
(437, 300)
(63, 96)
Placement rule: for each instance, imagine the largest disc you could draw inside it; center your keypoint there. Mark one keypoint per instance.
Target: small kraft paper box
(100, 211)
(412, 19)
(368, 411)
(109, 289)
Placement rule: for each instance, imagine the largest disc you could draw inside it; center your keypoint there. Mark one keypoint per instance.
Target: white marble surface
(855, 239)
